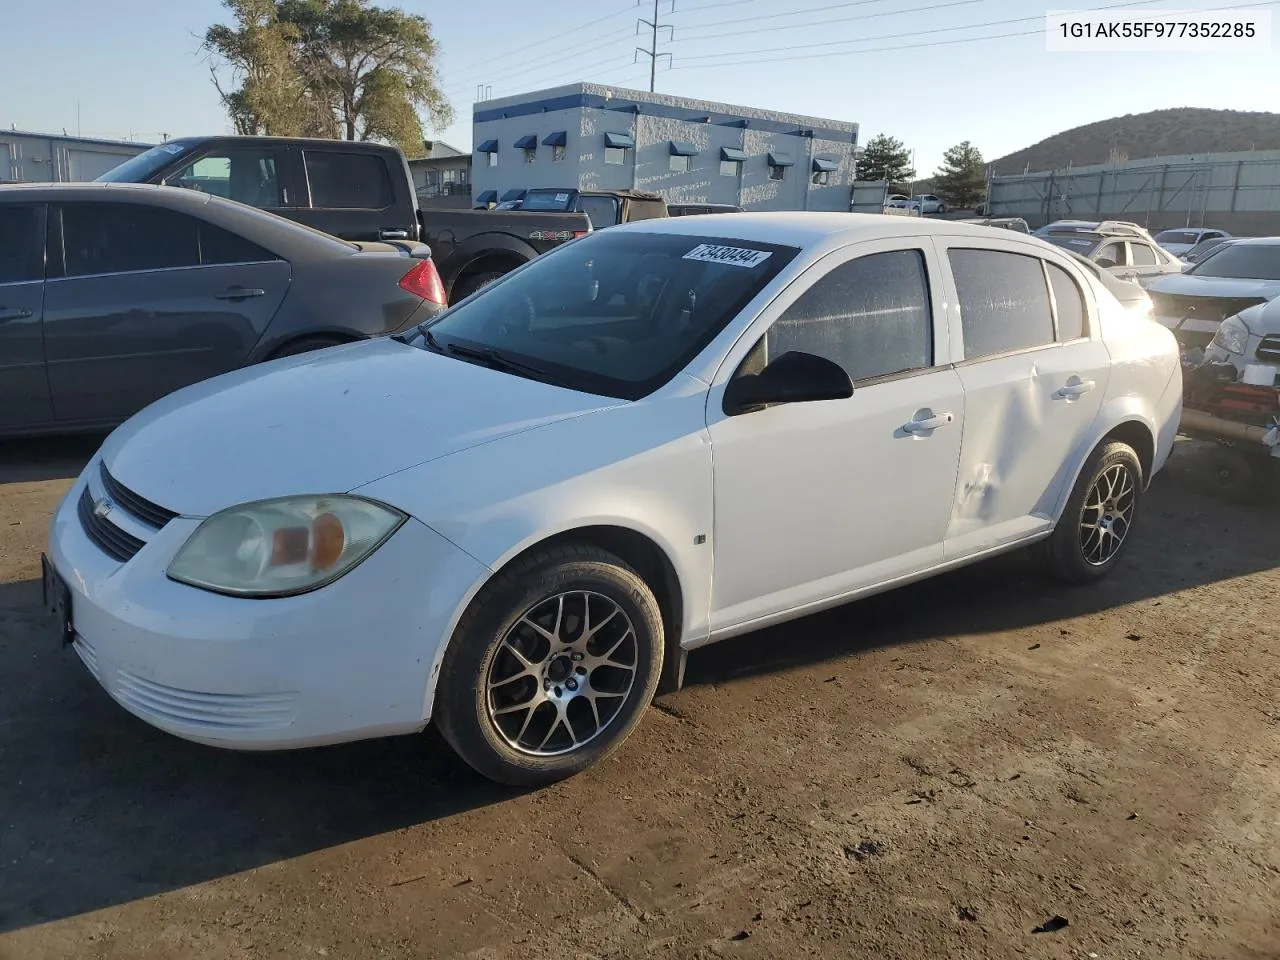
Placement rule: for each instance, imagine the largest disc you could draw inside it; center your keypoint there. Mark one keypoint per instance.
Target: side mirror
(794, 377)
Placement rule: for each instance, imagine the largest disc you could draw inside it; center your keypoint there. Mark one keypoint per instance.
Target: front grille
(110, 539)
(153, 515)
(1269, 349)
(1211, 309)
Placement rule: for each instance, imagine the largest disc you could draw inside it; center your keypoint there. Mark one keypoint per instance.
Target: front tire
(551, 667)
(1094, 529)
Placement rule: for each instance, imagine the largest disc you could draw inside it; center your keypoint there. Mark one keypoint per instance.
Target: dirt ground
(934, 773)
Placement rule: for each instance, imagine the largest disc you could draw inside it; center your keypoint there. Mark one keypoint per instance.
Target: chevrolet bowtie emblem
(102, 508)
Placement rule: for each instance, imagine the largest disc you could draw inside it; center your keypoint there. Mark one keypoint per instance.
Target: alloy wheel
(562, 673)
(1107, 514)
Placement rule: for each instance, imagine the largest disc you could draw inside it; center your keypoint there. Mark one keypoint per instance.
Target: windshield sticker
(562, 198)
(734, 256)
(174, 148)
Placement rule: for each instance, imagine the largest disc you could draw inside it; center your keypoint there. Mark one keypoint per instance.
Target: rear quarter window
(347, 181)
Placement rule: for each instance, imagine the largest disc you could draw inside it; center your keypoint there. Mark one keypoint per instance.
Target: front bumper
(349, 661)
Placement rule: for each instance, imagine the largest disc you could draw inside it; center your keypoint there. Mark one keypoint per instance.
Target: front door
(1034, 372)
(24, 386)
(816, 500)
(258, 176)
(151, 301)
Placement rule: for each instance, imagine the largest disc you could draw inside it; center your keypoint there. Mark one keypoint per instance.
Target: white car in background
(517, 520)
(1124, 249)
(927, 203)
(1182, 239)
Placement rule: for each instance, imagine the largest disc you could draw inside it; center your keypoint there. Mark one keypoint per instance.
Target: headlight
(275, 548)
(1232, 335)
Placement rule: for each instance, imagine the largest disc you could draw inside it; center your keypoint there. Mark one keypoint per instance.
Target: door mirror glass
(794, 377)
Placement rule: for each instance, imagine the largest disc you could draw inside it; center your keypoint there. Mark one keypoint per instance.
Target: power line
(823, 23)
(461, 80)
(789, 13)
(939, 43)
(911, 33)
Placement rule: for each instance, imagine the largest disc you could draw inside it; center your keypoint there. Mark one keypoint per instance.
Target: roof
(93, 190)
(70, 138)
(801, 229)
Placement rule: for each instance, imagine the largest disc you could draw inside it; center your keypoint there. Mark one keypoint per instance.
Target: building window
(615, 156)
(821, 178)
(777, 172)
(679, 164)
(530, 154)
(730, 168)
(492, 160)
(557, 152)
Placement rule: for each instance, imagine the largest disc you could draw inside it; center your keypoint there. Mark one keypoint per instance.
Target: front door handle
(388, 234)
(927, 424)
(15, 314)
(239, 293)
(1073, 388)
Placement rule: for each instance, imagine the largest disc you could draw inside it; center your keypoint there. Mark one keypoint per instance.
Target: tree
(962, 178)
(332, 68)
(885, 158)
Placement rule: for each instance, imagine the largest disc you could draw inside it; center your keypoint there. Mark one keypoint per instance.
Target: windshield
(615, 313)
(1082, 243)
(548, 201)
(1177, 236)
(139, 169)
(1242, 261)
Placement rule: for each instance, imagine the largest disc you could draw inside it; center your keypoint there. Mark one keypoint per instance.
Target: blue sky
(138, 71)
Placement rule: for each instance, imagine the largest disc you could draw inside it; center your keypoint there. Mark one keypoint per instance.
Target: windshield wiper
(491, 357)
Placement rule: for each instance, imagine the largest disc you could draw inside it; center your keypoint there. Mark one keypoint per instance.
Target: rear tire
(1094, 529)
(477, 281)
(551, 667)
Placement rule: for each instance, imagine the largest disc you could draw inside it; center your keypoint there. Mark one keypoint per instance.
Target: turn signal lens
(423, 280)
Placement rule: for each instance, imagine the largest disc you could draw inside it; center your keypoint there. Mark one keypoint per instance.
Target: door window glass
(246, 176)
(1004, 301)
(1113, 253)
(1069, 301)
(21, 243)
(222, 246)
(870, 315)
(122, 237)
(1143, 256)
(348, 181)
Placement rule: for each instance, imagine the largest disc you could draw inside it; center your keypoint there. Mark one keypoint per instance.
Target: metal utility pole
(652, 52)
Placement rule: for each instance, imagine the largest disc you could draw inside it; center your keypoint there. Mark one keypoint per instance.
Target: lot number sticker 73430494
(734, 256)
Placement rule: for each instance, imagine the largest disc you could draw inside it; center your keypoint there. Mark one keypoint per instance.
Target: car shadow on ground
(46, 458)
(99, 809)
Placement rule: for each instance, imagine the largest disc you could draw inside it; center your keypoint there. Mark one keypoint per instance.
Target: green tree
(886, 158)
(962, 178)
(334, 68)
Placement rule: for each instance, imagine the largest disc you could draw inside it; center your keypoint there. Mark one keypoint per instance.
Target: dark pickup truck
(351, 189)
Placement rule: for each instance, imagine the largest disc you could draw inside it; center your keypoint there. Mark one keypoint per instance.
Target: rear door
(24, 386)
(1034, 371)
(147, 300)
(353, 195)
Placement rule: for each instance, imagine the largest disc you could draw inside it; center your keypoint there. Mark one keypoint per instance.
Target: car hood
(323, 422)
(1190, 285)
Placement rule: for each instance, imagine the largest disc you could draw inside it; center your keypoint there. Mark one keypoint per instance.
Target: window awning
(557, 139)
(619, 140)
(489, 196)
(823, 165)
(780, 160)
(514, 195)
(682, 148)
(489, 146)
(732, 153)
(528, 142)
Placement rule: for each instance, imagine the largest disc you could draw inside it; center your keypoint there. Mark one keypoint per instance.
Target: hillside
(1158, 133)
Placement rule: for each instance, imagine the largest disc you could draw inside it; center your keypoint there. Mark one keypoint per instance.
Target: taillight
(578, 234)
(423, 281)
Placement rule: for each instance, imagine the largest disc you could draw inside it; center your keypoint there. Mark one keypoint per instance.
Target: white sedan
(518, 520)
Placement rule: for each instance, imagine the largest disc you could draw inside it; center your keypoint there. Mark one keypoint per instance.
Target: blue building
(50, 158)
(591, 136)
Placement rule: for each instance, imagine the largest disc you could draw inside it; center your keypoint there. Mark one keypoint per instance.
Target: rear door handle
(239, 293)
(15, 314)
(388, 234)
(1075, 387)
(927, 424)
